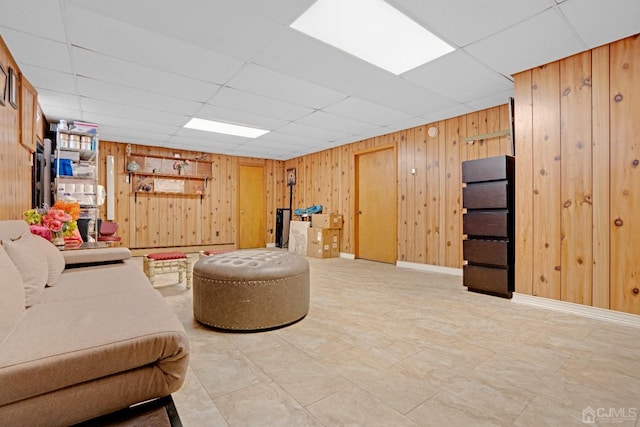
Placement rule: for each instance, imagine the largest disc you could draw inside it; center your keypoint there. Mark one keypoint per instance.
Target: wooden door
(376, 194)
(251, 211)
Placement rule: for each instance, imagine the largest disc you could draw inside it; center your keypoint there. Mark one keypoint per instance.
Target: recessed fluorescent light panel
(226, 128)
(373, 31)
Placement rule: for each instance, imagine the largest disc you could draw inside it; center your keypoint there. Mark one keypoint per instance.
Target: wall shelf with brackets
(168, 175)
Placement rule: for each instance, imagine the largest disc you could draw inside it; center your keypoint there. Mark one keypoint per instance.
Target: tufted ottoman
(250, 289)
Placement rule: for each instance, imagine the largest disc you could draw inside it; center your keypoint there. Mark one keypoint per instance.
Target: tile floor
(386, 346)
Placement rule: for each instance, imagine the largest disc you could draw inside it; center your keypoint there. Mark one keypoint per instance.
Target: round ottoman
(250, 289)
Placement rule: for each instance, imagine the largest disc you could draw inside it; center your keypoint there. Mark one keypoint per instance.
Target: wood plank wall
(429, 202)
(162, 220)
(15, 159)
(578, 176)
(577, 166)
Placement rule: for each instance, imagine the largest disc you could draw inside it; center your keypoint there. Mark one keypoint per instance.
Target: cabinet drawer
(486, 195)
(488, 169)
(492, 223)
(487, 252)
(490, 280)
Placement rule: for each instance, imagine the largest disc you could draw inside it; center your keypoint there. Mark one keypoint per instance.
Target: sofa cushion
(11, 294)
(95, 281)
(96, 255)
(31, 264)
(55, 260)
(62, 344)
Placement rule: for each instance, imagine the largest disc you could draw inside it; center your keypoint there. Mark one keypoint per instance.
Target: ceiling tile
(211, 136)
(462, 21)
(111, 70)
(130, 124)
(286, 140)
(407, 124)
(119, 134)
(243, 118)
(204, 142)
(142, 69)
(282, 11)
(525, 46)
(306, 58)
(447, 113)
(334, 122)
(242, 101)
(54, 113)
(299, 129)
(141, 46)
(365, 111)
(491, 100)
(217, 25)
(128, 96)
(44, 78)
(51, 98)
(42, 18)
(92, 105)
(599, 22)
(28, 49)
(459, 76)
(276, 85)
(406, 96)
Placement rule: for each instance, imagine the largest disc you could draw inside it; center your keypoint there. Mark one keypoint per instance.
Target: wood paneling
(429, 222)
(600, 173)
(581, 251)
(546, 179)
(578, 169)
(452, 220)
(166, 220)
(576, 189)
(625, 175)
(431, 216)
(524, 182)
(15, 173)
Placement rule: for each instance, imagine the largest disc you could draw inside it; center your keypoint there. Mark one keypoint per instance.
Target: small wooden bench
(168, 262)
(210, 252)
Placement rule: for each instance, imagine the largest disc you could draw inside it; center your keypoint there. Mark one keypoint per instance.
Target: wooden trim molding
(579, 310)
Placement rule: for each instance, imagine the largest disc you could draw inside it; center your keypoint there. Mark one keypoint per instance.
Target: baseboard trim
(430, 268)
(271, 245)
(347, 255)
(579, 309)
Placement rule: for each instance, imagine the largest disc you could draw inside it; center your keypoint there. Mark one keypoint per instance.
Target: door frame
(237, 198)
(356, 220)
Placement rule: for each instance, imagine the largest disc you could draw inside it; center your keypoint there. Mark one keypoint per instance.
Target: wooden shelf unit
(159, 175)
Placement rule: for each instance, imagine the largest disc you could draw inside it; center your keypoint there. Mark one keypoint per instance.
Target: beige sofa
(96, 339)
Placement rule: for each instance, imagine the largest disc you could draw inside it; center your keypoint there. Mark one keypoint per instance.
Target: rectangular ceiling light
(226, 128)
(373, 31)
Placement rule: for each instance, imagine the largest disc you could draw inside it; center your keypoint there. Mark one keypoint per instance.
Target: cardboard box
(323, 242)
(335, 244)
(298, 237)
(327, 220)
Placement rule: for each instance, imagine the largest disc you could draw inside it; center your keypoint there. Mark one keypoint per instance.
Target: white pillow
(55, 259)
(11, 294)
(32, 265)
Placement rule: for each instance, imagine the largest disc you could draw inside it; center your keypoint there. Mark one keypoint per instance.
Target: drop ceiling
(141, 69)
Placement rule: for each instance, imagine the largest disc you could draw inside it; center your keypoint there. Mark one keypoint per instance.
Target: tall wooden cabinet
(489, 224)
(28, 115)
